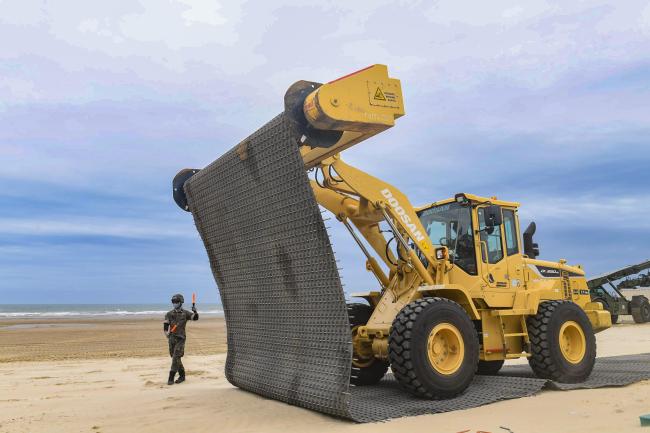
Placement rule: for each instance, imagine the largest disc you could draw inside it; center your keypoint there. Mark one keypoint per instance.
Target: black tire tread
(400, 347)
(541, 360)
(645, 308)
(358, 314)
(639, 314)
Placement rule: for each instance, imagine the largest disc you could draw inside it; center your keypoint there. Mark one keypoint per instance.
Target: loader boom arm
(353, 194)
(335, 116)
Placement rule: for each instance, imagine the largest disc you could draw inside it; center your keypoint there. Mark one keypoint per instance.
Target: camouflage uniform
(174, 327)
(177, 320)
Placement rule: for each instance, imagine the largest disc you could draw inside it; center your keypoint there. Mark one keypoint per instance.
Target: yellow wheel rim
(362, 349)
(572, 342)
(445, 348)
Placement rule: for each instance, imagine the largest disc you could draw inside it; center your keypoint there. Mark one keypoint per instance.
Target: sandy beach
(101, 338)
(99, 375)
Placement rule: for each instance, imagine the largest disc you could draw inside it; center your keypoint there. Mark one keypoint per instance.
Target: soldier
(174, 328)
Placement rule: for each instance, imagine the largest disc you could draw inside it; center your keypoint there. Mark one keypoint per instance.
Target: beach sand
(110, 376)
(93, 338)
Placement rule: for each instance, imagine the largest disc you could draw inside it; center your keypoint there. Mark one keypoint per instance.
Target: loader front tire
(563, 343)
(433, 348)
(366, 369)
(489, 368)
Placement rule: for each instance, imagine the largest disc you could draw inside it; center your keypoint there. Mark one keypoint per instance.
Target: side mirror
(531, 249)
(493, 217)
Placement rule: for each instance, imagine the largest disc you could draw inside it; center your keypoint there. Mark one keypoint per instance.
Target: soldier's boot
(170, 381)
(181, 376)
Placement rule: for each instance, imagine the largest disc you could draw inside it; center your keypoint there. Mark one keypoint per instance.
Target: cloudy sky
(101, 103)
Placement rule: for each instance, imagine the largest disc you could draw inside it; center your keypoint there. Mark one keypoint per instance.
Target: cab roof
(475, 199)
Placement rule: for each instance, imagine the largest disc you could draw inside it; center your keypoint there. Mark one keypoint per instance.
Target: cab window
(492, 240)
(450, 225)
(510, 230)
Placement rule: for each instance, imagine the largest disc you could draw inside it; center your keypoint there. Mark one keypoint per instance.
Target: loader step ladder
(523, 334)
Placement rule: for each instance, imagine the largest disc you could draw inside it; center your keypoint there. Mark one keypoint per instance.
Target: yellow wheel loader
(457, 293)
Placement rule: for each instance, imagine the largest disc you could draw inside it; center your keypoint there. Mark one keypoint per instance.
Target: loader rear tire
(563, 343)
(489, 368)
(366, 369)
(433, 348)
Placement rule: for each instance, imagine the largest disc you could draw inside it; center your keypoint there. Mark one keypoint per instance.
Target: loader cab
(450, 224)
(483, 238)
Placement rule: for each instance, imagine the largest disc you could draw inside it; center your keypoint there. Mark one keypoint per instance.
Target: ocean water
(16, 311)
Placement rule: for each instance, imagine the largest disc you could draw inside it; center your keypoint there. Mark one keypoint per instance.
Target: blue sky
(101, 103)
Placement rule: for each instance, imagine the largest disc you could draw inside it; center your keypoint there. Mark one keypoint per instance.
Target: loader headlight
(441, 253)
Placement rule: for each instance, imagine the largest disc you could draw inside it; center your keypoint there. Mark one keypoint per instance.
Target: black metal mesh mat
(608, 371)
(271, 257)
(387, 400)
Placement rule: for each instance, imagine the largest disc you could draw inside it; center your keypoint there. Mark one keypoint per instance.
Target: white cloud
(451, 45)
(18, 89)
(114, 87)
(594, 211)
(23, 12)
(503, 13)
(203, 11)
(93, 226)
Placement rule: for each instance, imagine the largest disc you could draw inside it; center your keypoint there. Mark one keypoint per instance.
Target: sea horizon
(68, 310)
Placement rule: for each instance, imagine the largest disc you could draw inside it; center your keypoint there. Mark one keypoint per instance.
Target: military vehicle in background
(641, 280)
(603, 289)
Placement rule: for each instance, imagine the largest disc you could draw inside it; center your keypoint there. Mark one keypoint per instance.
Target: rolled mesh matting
(288, 331)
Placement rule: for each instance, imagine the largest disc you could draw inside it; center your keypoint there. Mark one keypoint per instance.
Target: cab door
(514, 256)
(492, 254)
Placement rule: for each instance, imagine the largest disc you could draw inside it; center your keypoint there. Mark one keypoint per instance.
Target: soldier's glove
(166, 329)
(194, 308)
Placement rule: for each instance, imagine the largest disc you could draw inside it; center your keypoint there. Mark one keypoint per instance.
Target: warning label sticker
(382, 95)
